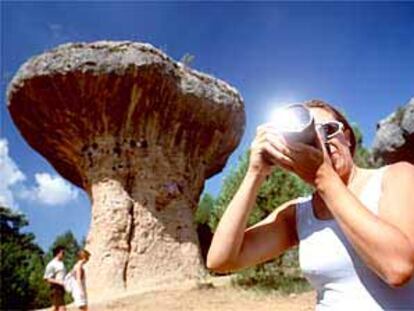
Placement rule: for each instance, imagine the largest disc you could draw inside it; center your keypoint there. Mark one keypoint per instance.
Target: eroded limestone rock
(394, 140)
(140, 133)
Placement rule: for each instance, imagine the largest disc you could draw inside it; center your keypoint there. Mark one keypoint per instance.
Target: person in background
(54, 274)
(75, 282)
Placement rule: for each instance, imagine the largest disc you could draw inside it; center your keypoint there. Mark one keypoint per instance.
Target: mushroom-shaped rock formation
(394, 140)
(140, 133)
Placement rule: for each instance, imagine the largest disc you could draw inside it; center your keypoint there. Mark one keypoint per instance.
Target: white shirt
(333, 267)
(55, 269)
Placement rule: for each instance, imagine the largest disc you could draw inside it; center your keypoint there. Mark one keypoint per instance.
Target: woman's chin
(340, 166)
(337, 163)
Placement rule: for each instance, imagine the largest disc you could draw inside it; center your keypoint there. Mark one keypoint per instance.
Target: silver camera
(296, 123)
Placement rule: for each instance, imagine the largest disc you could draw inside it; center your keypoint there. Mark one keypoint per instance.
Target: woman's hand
(271, 148)
(310, 163)
(267, 150)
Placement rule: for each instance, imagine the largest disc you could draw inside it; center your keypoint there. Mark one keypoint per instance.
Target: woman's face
(338, 145)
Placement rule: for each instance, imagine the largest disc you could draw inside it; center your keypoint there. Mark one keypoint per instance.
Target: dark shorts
(57, 294)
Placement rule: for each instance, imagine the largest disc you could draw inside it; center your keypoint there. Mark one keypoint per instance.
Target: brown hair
(316, 103)
(84, 254)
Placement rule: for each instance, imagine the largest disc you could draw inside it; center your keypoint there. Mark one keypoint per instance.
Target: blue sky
(358, 56)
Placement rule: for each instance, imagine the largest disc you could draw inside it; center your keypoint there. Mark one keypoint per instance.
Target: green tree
(204, 209)
(231, 183)
(21, 265)
(41, 298)
(187, 59)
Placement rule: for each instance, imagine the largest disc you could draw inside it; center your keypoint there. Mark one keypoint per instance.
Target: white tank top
(334, 269)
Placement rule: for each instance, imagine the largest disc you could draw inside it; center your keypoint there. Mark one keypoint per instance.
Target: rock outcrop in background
(394, 140)
(140, 133)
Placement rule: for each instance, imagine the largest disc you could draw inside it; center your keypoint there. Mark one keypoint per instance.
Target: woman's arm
(78, 277)
(233, 247)
(385, 242)
(228, 237)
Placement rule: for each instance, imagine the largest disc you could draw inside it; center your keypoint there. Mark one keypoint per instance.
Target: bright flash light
(290, 118)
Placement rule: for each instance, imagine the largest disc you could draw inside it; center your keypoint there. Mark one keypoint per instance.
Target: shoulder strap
(302, 209)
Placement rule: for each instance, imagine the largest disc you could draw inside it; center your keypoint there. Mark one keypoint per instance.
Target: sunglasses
(330, 129)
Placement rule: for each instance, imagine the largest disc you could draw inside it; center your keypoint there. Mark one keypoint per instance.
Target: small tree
(187, 59)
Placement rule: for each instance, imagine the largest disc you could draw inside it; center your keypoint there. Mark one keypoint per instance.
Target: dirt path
(209, 299)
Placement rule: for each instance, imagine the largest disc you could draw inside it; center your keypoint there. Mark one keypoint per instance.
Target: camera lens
(296, 123)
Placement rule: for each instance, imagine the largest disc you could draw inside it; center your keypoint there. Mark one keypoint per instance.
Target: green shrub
(281, 274)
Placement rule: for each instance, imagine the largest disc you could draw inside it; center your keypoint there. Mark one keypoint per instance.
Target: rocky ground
(218, 296)
(227, 299)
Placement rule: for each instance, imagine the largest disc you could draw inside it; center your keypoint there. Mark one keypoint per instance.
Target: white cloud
(10, 175)
(50, 190)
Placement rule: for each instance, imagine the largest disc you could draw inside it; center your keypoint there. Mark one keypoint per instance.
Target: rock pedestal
(140, 133)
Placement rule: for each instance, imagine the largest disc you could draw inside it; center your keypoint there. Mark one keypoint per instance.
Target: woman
(355, 233)
(75, 282)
